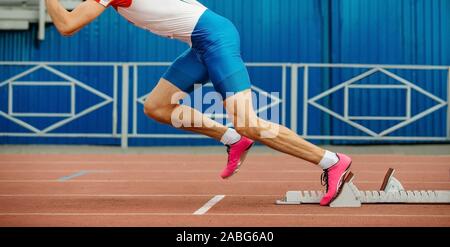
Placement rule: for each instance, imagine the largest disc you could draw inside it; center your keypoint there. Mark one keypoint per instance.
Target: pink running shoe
(236, 156)
(333, 178)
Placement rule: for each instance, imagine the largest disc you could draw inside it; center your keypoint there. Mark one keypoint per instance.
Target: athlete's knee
(150, 110)
(156, 111)
(258, 129)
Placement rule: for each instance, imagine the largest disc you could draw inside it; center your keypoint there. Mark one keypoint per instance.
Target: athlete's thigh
(186, 71)
(223, 60)
(165, 93)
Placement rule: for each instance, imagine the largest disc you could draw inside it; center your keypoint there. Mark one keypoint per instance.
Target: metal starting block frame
(391, 192)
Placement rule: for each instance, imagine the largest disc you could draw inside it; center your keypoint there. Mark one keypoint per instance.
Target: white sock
(328, 160)
(230, 137)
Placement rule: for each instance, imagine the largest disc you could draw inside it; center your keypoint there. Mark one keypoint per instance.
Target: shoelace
(324, 178)
(228, 151)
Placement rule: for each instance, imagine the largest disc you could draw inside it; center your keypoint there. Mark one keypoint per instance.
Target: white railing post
(135, 97)
(346, 93)
(283, 93)
(73, 101)
(448, 104)
(125, 91)
(408, 103)
(42, 17)
(305, 100)
(294, 98)
(116, 98)
(10, 98)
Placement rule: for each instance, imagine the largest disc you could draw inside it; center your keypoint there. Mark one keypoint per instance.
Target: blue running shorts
(215, 56)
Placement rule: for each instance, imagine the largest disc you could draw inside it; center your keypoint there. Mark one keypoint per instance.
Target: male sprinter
(214, 55)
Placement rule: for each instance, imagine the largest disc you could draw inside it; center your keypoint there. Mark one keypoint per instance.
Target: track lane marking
(73, 175)
(229, 214)
(195, 181)
(205, 208)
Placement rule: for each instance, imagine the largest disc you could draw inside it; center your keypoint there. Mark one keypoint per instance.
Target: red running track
(166, 190)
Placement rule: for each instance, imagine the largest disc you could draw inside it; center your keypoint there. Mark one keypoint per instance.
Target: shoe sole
(243, 157)
(343, 179)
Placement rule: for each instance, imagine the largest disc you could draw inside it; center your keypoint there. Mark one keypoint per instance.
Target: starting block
(391, 192)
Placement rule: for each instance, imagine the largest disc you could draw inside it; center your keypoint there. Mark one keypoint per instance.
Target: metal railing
(69, 81)
(139, 99)
(350, 83)
(288, 85)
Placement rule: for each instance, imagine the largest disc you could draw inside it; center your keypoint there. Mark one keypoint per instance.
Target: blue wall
(265, 27)
(334, 31)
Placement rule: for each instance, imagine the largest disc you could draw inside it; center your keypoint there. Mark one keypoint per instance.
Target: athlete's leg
(159, 106)
(218, 42)
(162, 105)
(240, 108)
(280, 138)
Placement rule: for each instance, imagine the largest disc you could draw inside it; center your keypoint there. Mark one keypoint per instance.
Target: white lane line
(439, 162)
(195, 181)
(231, 214)
(313, 171)
(209, 205)
(74, 175)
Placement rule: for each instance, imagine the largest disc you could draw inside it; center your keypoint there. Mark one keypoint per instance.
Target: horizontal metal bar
(379, 86)
(19, 14)
(376, 118)
(248, 64)
(68, 4)
(268, 64)
(32, 114)
(101, 64)
(371, 66)
(169, 136)
(60, 135)
(313, 65)
(146, 64)
(381, 138)
(40, 83)
(186, 136)
(14, 25)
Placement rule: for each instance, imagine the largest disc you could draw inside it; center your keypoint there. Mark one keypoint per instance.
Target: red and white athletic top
(174, 19)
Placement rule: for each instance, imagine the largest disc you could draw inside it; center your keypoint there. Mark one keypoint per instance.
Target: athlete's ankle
(328, 160)
(230, 137)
